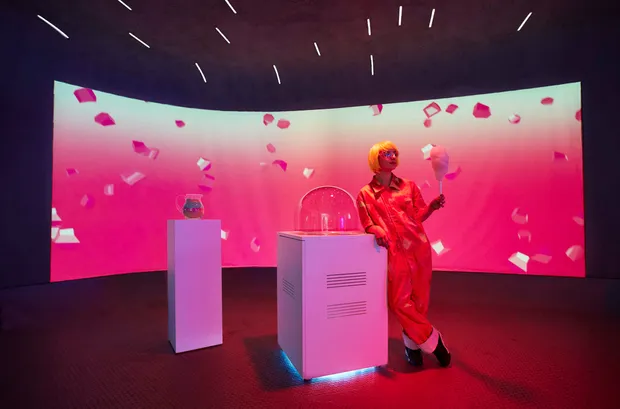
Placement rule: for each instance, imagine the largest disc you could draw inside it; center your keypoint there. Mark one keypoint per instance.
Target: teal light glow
(344, 375)
(335, 377)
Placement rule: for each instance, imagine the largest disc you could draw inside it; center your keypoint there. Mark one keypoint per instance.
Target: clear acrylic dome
(328, 210)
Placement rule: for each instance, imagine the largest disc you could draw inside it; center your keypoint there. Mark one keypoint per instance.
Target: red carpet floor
(517, 342)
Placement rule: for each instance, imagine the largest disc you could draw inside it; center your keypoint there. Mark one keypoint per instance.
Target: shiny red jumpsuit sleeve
(362, 209)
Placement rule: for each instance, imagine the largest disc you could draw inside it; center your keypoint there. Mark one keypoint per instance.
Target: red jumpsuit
(400, 211)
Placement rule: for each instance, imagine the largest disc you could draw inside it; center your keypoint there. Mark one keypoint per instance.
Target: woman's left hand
(438, 202)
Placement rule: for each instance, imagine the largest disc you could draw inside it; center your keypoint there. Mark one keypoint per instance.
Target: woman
(393, 210)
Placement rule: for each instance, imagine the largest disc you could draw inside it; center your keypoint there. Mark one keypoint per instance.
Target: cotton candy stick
(440, 162)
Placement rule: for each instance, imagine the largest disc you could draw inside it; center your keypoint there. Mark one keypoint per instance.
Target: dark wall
(33, 57)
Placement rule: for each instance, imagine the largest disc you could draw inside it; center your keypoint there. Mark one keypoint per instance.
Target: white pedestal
(194, 284)
(332, 303)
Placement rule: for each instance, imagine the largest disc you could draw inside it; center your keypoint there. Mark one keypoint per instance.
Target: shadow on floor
(273, 369)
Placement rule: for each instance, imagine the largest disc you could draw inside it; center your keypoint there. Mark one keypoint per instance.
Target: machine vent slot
(342, 280)
(347, 309)
(288, 288)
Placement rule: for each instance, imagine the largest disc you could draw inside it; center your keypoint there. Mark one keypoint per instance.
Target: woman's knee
(400, 306)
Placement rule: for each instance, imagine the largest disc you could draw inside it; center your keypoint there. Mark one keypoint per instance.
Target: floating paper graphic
(541, 258)
(87, 201)
(308, 173)
(72, 172)
(153, 153)
(424, 185)
(546, 101)
(518, 217)
(428, 123)
(453, 175)
(179, 123)
(283, 123)
(140, 148)
(426, 151)
(271, 148)
(267, 119)
(431, 110)
(133, 178)
(104, 119)
(578, 220)
(481, 111)
(376, 109)
(66, 236)
(451, 108)
(280, 163)
(578, 115)
(514, 119)
(85, 95)
(207, 183)
(439, 248)
(255, 245)
(520, 260)
(56, 220)
(204, 164)
(108, 190)
(574, 252)
(559, 156)
(525, 235)
(224, 234)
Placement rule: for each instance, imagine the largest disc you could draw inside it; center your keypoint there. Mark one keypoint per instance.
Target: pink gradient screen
(514, 189)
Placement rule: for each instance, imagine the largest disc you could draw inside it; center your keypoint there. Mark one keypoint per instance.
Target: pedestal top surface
(303, 235)
(194, 220)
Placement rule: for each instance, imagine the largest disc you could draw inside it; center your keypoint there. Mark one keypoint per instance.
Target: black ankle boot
(442, 354)
(414, 356)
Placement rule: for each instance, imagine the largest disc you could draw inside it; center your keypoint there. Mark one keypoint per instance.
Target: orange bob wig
(376, 150)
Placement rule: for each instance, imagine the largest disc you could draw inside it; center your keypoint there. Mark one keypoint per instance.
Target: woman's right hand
(380, 235)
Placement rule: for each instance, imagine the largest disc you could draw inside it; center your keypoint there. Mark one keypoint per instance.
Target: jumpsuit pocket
(408, 208)
(407, 204)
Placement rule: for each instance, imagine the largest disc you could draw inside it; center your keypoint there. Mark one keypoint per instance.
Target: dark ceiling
(181, 33)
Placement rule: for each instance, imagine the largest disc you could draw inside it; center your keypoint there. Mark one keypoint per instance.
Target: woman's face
(388, 160)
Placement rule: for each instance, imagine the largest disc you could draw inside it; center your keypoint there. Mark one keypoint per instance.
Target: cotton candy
(440, 162)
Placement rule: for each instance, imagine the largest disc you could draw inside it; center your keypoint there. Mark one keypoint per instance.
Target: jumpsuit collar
(395, 183)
